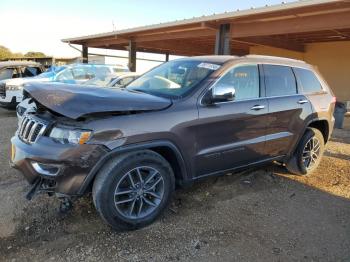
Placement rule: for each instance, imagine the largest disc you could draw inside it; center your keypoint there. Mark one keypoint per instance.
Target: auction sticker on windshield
(209, 66)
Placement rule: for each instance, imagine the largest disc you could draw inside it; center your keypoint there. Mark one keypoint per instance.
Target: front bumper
(73, 163)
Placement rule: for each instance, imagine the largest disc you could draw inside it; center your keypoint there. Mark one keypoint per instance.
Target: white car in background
(12, 75)
(11, 90)
(116, 80)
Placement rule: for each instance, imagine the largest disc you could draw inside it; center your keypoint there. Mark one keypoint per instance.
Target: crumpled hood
(75, 101)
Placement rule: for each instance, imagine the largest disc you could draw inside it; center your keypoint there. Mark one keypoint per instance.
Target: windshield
(173, 79)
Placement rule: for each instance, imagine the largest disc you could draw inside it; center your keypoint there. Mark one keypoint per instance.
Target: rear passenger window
(279, 80)
(308, 80)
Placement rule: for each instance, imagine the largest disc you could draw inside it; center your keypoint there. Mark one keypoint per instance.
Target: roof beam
(292, 25)
(178, 35)
(106, 42)
(273, 42)
(178, 48)
(210, 25)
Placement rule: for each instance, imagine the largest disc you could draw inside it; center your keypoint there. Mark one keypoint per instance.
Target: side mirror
(221, 93)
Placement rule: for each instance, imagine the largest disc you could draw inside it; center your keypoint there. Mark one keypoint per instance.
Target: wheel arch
(165, 148)
(322, 125)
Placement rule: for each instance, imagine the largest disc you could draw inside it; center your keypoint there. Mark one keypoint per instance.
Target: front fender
(135, 147)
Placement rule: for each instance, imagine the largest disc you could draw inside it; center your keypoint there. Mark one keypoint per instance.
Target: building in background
(316, 31)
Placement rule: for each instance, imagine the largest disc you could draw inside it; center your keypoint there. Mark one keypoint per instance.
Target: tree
(34, 54)
(5, 53)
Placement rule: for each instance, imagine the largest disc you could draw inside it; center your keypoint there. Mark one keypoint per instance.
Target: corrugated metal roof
(209, 18)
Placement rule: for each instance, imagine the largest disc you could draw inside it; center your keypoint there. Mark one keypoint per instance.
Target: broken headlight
(70, 136)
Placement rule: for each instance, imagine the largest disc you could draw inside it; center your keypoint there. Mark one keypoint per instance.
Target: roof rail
(276, 58)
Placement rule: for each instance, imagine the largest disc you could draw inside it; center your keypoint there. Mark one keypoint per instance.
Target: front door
(232, 134)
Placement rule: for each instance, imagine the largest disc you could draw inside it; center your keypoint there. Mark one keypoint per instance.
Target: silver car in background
(117, 80)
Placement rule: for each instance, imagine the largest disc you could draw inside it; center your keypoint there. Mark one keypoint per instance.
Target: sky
(39, 25)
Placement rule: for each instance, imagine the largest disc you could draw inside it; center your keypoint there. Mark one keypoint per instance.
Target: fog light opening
(45, 169)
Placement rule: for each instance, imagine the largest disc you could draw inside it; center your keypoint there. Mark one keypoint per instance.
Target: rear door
(288, 109)
(232, 134)
(317, 92)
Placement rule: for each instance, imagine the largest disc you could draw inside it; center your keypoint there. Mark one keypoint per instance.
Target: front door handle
(303, 101)
(257, 107)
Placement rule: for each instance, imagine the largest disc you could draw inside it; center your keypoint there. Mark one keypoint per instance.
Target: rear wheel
(308, 154)
(132, 190)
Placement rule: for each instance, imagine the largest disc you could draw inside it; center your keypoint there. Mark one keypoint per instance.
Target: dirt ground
(259, 215)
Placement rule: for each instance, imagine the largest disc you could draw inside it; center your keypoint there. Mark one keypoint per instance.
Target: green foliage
(6, 53)
(35, 54)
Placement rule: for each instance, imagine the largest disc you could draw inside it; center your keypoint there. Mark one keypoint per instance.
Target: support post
(132, 56)
(85, 54)
(223, 40)
(167, 56)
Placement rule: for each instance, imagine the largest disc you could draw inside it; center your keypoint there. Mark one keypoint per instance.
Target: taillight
(334, 100)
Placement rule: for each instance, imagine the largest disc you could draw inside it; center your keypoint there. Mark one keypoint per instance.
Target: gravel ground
(259, 215)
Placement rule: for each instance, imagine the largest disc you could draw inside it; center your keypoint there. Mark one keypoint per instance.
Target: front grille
(3, 90)
(30, 129)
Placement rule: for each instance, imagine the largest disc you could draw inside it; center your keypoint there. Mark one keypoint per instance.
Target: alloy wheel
(311, 152)
(139, 192)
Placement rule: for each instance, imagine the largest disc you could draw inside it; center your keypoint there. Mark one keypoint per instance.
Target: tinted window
(6, 73)
(308, 80)
(279, 80)
(245, 80)
(30, 71)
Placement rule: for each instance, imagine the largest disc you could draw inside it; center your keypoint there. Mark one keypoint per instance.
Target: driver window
(245, 80)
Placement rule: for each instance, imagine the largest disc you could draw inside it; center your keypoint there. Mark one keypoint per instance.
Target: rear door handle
(257, 107)
(303, 101)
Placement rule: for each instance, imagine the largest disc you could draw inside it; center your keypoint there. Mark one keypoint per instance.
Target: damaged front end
(47, 186)
(53, 154)
(60, 138)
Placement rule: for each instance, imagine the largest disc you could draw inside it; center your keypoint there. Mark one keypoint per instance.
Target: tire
(297, 164)
(121, 175)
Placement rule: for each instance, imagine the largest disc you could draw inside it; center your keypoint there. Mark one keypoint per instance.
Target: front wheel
(308, 154)
(132, 190)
